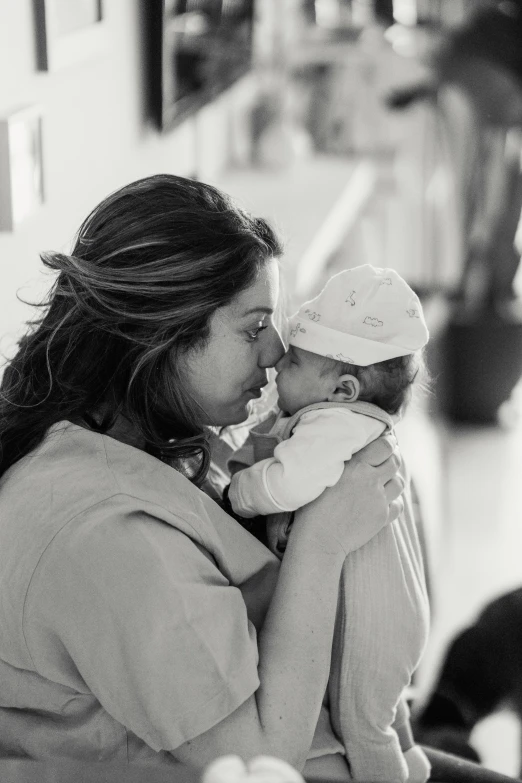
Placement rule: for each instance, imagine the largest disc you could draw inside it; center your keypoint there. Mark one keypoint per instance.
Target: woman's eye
(253, 334)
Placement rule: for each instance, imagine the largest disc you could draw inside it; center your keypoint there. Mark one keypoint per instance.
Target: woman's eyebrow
(265, 310)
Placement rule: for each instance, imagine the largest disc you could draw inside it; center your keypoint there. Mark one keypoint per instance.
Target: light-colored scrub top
(124, 628)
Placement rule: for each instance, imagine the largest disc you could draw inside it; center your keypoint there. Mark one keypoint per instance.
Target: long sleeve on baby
(304, 465)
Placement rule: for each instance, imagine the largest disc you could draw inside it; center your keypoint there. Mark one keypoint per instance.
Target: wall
(95, 139)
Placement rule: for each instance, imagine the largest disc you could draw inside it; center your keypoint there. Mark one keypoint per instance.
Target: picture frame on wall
(21, 165)
(195, 50)
(68, 31)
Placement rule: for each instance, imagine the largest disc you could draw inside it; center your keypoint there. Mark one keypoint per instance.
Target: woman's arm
(296, 638)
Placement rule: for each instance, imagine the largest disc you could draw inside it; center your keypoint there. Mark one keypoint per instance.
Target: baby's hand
(419, 767)
(262, 769)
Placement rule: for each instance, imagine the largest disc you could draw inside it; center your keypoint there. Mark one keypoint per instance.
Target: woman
(125, 589)
(129, 600)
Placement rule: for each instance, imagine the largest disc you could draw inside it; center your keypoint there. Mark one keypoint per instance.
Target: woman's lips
(257, 390)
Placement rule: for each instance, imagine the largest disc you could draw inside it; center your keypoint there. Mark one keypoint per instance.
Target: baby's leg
(370, 659)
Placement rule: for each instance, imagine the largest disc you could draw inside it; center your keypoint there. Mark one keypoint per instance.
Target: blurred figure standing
(482, 60)
(479, 67)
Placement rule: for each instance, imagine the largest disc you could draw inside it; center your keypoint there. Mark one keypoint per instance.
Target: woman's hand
(366, 497)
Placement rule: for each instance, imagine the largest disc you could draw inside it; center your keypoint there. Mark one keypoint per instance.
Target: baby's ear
(346, 390)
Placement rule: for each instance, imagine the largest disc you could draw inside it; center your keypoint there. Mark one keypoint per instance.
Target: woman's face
(231, 368)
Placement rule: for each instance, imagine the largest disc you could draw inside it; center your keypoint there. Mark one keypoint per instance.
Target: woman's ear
(347, 389)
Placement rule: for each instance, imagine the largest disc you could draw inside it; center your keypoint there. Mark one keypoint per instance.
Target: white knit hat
(362, 316)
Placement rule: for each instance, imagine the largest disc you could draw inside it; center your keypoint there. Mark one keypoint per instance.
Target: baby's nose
(280, 364)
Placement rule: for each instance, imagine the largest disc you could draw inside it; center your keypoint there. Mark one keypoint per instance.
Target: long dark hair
(149, 267)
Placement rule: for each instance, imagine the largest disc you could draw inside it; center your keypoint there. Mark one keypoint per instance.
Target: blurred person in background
(476, 91)
(482, 59)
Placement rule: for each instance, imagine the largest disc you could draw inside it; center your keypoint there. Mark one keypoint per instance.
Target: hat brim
(311, 336)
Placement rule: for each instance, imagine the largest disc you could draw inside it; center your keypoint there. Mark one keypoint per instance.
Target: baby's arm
(304, 465)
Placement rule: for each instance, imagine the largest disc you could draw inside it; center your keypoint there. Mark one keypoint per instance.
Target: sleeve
(140, 614)
(305, 464)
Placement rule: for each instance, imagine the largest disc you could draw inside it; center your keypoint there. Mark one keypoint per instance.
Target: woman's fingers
(389, 469)
(395, 509)
(379, 451)
(366, 497)
(394, 488)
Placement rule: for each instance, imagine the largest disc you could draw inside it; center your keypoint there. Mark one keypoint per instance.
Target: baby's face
(300, 381)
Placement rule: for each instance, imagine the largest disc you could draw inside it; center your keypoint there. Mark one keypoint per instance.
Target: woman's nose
(273, 349)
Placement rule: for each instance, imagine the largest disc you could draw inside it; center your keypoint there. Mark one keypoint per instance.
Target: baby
(354, 353)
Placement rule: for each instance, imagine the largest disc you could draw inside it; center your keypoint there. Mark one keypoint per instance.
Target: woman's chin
(237, 416)
(240, 412)
(243, 416)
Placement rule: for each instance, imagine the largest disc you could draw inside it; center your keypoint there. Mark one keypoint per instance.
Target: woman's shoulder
(76, 462)
(86, 500)
(81, 478)
(76, 473)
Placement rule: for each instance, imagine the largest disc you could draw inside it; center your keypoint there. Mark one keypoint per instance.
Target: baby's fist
(419, 767)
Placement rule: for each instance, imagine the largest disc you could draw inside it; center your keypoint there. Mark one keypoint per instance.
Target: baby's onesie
(383, 612)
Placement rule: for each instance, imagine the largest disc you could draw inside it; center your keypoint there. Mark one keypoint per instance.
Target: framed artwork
(195, 50)
(68, 31)
(21, 165)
